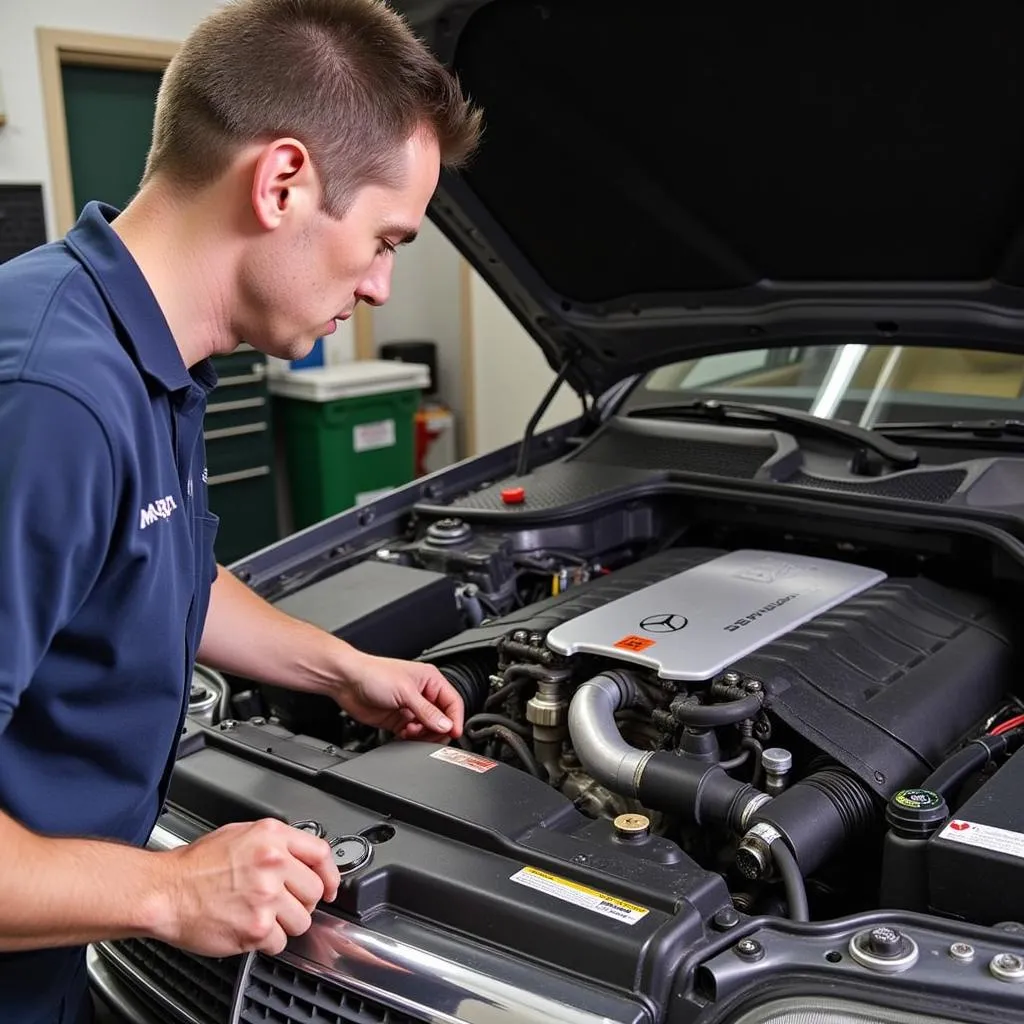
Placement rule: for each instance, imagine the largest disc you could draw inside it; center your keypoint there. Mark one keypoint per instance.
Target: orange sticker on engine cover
(634, 643)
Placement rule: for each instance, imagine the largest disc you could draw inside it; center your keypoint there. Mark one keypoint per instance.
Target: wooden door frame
(57, 47)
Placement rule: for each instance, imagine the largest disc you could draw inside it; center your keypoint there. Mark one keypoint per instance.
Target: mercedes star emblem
(666, 623)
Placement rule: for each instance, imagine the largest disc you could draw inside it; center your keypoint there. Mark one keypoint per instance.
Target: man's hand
(243, 887)
(410, 699)
(245, 636)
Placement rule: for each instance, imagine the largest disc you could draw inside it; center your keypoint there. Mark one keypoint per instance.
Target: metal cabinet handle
(241, 403)
(248, 428)
(241, 474)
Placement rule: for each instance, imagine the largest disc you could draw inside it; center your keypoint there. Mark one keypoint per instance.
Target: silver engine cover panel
(692, 626)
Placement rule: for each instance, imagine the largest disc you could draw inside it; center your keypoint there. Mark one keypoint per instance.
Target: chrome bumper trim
(417, 981)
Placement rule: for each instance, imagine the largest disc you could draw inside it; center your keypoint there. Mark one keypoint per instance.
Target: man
(296, 145)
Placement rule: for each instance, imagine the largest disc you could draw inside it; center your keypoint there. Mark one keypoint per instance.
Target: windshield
(870, 385)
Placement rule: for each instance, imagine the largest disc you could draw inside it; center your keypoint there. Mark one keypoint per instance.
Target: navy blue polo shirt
(106, 558)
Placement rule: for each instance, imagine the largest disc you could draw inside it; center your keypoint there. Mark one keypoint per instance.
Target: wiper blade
(977, 428)
(898, 455)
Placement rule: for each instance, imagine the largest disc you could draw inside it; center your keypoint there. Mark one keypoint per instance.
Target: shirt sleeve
(57, 512)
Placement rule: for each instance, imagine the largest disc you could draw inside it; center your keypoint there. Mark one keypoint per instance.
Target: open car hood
(660, 183)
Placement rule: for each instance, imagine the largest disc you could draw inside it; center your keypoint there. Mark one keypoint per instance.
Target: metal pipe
(595, 735)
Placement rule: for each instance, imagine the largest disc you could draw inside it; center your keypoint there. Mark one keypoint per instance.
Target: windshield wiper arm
(978, 428)
(897, 455)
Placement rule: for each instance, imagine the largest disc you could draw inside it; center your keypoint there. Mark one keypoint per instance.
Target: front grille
(277, 993)
(202, 986)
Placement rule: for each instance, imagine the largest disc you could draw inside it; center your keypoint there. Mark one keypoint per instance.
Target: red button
(513, 495)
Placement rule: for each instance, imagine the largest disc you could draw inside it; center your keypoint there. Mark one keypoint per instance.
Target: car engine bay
(762, 712)
(694, 721)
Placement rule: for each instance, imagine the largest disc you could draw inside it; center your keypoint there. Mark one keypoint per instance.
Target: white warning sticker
(581, 895)
(464, 759)
(988, 837)
(368, 437)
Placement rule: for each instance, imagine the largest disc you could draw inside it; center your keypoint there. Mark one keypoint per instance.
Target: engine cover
(693, 625)
(884, 674)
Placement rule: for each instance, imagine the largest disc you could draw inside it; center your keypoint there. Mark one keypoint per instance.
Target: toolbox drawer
(229, 449)
(238, 436)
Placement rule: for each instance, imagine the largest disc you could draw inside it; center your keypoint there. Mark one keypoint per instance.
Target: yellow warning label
(580, 895)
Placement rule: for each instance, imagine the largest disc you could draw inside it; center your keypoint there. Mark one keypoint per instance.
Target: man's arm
(246, 636)
(239, 888)
(243, 887)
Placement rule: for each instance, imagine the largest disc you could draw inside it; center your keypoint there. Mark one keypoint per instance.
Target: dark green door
(109, 115)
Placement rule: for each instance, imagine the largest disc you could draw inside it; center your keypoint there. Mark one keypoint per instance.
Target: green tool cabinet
(240, 455)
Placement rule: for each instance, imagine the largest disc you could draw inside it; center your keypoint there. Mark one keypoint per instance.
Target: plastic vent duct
(808, 1010)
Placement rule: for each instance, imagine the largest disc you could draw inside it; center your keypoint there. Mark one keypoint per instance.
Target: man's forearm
(69, 892)
(246, 636)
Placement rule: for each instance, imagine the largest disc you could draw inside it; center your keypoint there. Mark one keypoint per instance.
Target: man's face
(312, 269)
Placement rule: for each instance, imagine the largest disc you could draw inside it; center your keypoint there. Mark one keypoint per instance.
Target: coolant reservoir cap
(915, 813)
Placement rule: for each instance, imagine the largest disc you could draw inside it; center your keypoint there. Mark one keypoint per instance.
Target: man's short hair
(347, 78)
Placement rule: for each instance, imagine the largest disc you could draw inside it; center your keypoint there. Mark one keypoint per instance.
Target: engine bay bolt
(520, 636)
(632, 826)
(962, 951)
(749, 949)
(754, 686)
(228, 724)
(726, 918)
(732, 679)
(1007, 967)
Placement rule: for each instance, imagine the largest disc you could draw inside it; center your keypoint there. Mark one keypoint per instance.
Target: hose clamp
(753, 806)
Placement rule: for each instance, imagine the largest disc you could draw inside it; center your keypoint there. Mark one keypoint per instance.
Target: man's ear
(283, 180)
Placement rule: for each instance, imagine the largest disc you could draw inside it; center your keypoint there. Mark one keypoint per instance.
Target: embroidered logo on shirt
(206, 475)
(159, 509)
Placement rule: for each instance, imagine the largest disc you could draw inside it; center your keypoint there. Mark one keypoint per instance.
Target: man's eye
(386, 248)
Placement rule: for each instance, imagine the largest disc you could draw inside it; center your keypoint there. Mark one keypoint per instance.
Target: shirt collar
(148, 337)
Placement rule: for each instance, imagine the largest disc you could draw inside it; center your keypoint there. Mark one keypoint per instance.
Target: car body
(739, 645)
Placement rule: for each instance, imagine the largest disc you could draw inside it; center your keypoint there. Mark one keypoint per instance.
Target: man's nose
(375, 288)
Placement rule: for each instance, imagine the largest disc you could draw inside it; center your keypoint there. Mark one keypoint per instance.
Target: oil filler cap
(350, 853)
(884, 949)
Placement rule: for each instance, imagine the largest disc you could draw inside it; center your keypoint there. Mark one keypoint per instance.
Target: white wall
(424, 305)
(510, 374)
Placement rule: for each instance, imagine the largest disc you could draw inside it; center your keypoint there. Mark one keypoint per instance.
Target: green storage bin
(349, 433)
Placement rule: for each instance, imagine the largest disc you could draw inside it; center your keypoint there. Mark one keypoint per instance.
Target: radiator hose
(472, 683)
(702, 792)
